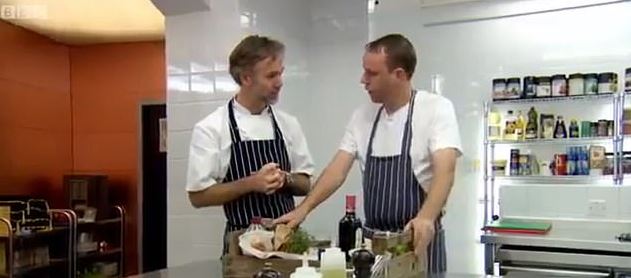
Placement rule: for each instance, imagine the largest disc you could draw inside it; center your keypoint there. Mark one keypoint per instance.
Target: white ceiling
(87, 21)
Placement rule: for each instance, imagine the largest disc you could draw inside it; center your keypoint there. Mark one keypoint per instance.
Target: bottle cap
(350, 202)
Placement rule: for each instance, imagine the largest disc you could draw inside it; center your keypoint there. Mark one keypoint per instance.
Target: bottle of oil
(532, 127)
(509, 128)
(574, 129)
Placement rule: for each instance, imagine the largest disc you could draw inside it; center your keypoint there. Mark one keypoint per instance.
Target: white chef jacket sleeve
(444, 130)
(300, 157)
(349, 141)
(203, 160)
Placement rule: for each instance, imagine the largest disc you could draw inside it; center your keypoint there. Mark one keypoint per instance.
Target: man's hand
(268, 179)
(293, 218)
(423, 230)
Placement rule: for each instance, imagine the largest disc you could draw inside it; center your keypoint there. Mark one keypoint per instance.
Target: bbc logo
(15, 12)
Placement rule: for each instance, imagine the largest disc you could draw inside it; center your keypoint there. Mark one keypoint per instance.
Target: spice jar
(559, 85)
(544, 86)
(530, 87)
(513, 88)
(499, 88)
(577, 84)
(607, 82)
(591, 83)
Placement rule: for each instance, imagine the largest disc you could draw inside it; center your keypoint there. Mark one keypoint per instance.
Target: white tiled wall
(565, 201)
(325, 41)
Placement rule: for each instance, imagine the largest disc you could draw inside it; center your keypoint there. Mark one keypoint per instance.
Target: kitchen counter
(212, 268)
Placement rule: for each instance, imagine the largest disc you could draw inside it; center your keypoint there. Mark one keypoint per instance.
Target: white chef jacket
(210, 148)
(434, 127)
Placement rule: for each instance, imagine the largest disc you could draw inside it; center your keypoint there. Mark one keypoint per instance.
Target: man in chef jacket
(247, 156)
(406, 143)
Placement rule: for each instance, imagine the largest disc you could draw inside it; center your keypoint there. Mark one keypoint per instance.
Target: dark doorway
(154, 187)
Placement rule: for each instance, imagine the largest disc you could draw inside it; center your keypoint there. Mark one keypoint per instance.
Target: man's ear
(246, 78)
(400, 74)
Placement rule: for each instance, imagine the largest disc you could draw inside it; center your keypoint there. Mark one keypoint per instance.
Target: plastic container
(305, 271)
(333, 263)
(577, 84)
(499, 168)
(495, 125)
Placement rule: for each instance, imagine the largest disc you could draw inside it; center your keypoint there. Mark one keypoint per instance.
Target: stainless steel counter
(212, 269)
(583, 247)
(565, 237)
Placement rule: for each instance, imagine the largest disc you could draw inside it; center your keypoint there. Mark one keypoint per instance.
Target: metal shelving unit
(72, 258)
(101, 227)
(490, 181)
(15, 239)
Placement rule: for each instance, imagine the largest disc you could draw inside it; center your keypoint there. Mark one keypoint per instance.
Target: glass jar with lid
(513, 88)
(559, 85)
(544, 86)
(576, 84)
(607, 83)
(499, 88)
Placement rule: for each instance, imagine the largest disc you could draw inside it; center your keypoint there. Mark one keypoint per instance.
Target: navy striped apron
(246, 158)
(393, 196)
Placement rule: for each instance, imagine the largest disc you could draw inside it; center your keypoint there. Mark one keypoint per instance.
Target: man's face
(265, 79)
(378, 80)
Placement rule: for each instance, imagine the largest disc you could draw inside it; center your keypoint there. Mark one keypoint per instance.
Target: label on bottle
(359, 238)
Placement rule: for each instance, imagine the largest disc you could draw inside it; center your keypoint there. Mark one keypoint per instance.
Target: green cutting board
(519, 224)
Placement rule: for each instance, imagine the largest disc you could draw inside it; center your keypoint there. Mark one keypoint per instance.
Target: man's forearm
(324, 187)
(221, 193)
(437, 197)
(300, 185)
(330, 180)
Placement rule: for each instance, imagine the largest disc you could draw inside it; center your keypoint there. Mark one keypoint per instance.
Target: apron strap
(407, 134)
(406, 145)
(372, 133)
